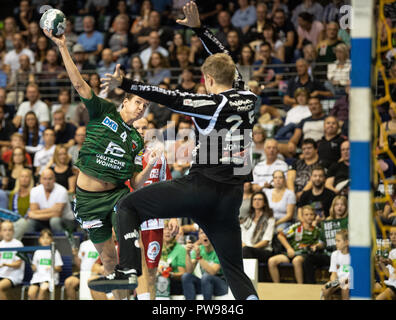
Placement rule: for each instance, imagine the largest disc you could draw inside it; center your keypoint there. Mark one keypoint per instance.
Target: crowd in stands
(293, 54)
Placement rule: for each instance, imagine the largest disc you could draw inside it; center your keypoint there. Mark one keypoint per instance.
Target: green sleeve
(97, 106)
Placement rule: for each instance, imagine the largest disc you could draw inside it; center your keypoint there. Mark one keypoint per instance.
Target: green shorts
(95, 212)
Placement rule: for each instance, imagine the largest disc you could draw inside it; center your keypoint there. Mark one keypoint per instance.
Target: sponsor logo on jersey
(153, 250)
(110, 124)
(115, 150)
(187, 102)
(131, 235)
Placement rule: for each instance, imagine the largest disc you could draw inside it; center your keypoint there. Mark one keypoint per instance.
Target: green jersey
(210, 257)
(112, 150)
(328, 230)
(300, 239)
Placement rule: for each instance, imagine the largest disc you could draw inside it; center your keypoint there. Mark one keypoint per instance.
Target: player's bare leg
(146, 282)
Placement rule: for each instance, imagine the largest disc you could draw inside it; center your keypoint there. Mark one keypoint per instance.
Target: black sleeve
(213, 45)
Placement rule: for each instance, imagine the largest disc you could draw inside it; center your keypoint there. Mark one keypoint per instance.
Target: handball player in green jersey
(111, 154)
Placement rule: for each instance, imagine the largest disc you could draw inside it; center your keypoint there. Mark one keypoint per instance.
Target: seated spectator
(247, 195)
(309, 55)
(340, 266)
(258, 139)
(341, 109)
(11, 59)
(33, 103)
(208, 10)
(270, 36)
(224, 26)
(245, 16)
(295, 115)
(338, 73)
(197, 52)
(329, 146)
(245, 62)
(234, 45)
(91, 40)
(281, 200)
(142, 18)
(137, 72)
(64, 131)
(16, 165)
(255, 31)
(262, 172)
(154, 46)
(71, 37)
(44, 155)
(32, 133)
(7, 103)
(336, 221)
(171, 267)
(158, 69)
(83, 259)
(309, 6)
(258, 229)
(64, 104)
(80, 59)
(318, 197)
(49, 206)
(286, 33)
(121, 42)
(177, 42)
(187, 83)
(308, 31)
(304, 80)
(43, 45)
(40, 282)
(16, 141)
(297, 240)
(79, 139)
(181, 62)
(212, 282)
(11, 265)
(327, 45)
(19, 200)
(6, 129)
(338, 173)
(299, 173)
(10, 28)
(24, 14)
(107, 64)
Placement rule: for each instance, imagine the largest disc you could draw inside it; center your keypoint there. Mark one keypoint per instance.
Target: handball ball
(55, 20)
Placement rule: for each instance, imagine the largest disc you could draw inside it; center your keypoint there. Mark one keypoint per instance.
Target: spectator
(15, 166)
(299, 173)
(187, 83)
(340, 264)
(71, 37)
(137, 69)
(308, 6)
(82, 64)
(304, 80)
(142, 20)
(338, 174)
(197, 52)
(258, 229)
(33, 34)
(338, 73)
(259, 137)
(181, 62)
(255, 31)
(49, 206)
(154, 46)
(25, 14)
(281, 200)
(43, 156)
(19, 201)
(297, 240)
(41, 267)
(308, 31)
(327, 45)
(64, 104)
(234, 45)
(208, 10)
(94, 7)
(10, 28)
(62, 166)
(121, 9)
(3, 50)
(262, 172)
(286, 33)
(318, 197)
(94, 83)
(269, 35)
(90, 39)
(6, 103)
(32, 133)
(11, 265)
(33, 104)
(6, 129)
(11, 59)
(225, 26)
(178, 42)
(16, 141)
(158, 69)
(41, 52)
(79, 138)
(172, 264)
(107, 64)
(245, 16)
(212, 283)
(64, 131)
(121, 42)
(245, 62)
(247, 195)
(336, 221)
(329, 146)
(84, 259)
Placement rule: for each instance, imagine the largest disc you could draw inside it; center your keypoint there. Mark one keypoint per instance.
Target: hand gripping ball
(55, 20)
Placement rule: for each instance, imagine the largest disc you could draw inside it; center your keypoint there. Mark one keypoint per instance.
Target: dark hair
(318, 167)
(251, 60)
(266, 207)
(25, 131)
(265, 43)
(310, 141)
(306, 16)
(268, 26)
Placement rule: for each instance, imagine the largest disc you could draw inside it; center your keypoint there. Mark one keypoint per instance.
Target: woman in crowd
(338, 72)
(68, 108)
(158, 69)
(15, 166)
(32, 133)
(137, 69)
(259, 136)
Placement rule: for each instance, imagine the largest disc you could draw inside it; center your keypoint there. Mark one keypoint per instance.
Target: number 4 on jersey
(123, 136)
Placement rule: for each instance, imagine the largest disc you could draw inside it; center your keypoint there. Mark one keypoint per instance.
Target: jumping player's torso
(112, 149)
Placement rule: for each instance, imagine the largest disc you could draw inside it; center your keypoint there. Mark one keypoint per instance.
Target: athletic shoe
(119, 279)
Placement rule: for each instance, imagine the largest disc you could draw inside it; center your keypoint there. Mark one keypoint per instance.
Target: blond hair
(221, 67)
(333, 203)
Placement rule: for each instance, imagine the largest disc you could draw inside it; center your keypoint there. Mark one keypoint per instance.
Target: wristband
(198, 258)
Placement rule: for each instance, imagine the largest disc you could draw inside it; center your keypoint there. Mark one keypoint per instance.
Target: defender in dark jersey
(211, 193)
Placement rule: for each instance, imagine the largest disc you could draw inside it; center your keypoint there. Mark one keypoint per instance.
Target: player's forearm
(138, 181)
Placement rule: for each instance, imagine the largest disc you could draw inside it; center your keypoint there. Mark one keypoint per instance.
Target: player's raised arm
(83, 89)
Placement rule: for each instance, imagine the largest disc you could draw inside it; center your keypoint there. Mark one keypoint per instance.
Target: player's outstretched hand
(191, 14)
(112, 81)
(59, 41)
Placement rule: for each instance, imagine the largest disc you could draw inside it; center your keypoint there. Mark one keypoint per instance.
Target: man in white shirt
(154, 42)
(49, 206)
(44, 155)
(34, 103)
(262, 172)
(11, 59)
